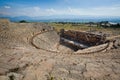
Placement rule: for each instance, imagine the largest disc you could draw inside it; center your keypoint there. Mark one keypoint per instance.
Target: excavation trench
(74, 45)
(79, 42)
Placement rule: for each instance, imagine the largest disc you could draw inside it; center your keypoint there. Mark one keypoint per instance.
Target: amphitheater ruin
(23, 46)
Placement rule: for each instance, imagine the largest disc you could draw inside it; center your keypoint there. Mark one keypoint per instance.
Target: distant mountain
(63, 18)
(20, 18)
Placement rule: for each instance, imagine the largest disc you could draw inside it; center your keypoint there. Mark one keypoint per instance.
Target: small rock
(15, 76)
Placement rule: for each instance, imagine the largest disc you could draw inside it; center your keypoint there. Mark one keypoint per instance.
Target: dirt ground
(19, 60)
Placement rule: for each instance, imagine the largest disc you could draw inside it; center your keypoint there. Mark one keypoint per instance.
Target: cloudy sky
(34, 8)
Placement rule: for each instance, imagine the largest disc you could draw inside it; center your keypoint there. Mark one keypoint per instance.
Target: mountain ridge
(65, 18)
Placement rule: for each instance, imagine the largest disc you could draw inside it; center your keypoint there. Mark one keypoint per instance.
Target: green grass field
(84, 27)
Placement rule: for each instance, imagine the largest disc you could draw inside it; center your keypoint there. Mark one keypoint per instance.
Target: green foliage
(50, 77)
(23, 21)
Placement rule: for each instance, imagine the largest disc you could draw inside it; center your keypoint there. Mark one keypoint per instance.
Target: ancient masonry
(44, 37)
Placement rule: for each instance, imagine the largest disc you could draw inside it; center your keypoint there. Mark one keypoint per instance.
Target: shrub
(23, 21)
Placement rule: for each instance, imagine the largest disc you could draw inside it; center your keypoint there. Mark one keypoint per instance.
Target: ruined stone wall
(84, 37)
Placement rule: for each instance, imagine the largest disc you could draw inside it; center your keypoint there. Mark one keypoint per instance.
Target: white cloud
(51, 10)
(37, 11)
(110, 11)
(4, 13)
(28, 11)
(7, 7)
(98, 11)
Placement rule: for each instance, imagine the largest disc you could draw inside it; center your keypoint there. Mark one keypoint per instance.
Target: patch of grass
(83, 27)
(68, 26)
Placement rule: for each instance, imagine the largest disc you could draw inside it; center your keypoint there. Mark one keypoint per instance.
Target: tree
(23, 21)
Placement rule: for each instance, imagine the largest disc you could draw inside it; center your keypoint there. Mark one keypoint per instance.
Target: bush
(23, 21)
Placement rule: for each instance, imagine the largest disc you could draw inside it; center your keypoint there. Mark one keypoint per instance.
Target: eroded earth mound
(32, 51)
